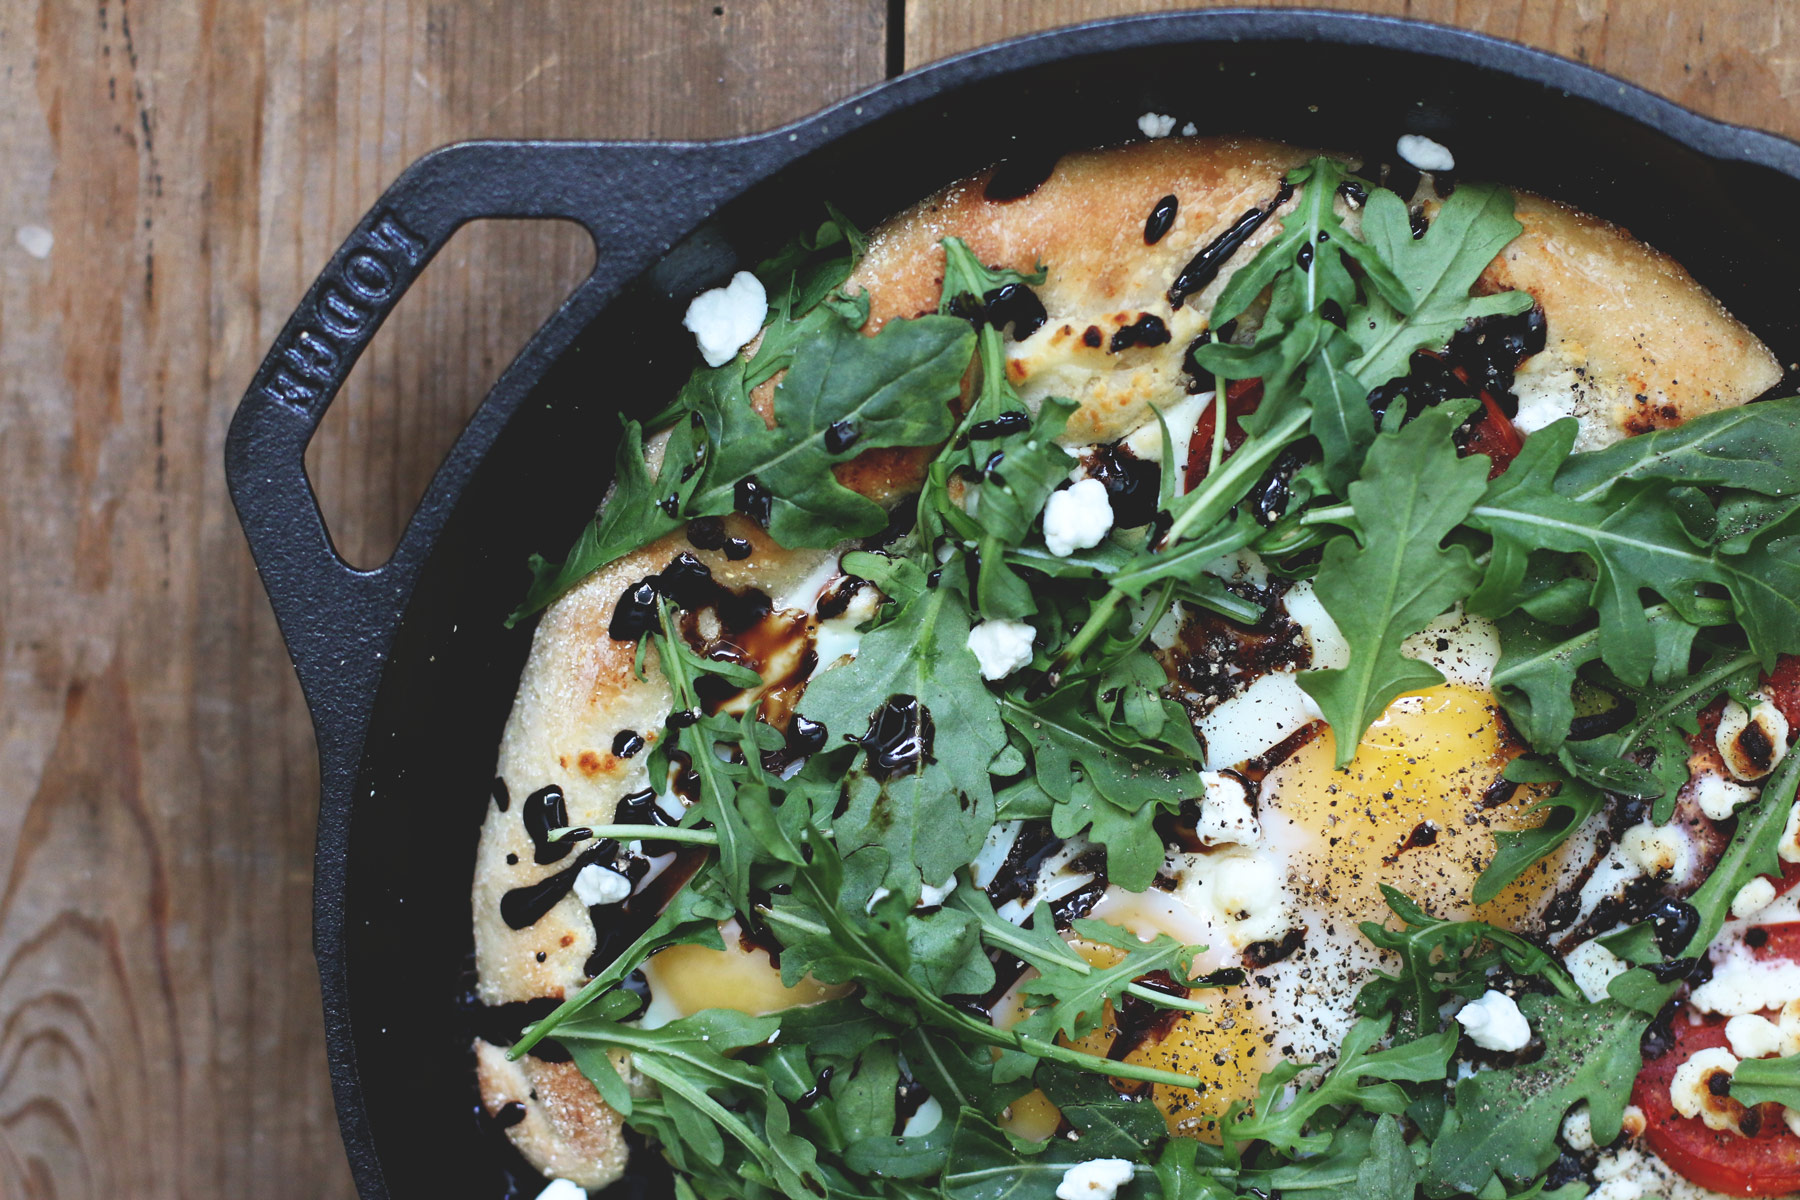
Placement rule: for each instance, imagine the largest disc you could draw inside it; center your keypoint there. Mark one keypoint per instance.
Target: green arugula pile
(1633, 587)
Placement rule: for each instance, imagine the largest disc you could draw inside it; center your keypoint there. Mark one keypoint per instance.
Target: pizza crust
(1640, 343)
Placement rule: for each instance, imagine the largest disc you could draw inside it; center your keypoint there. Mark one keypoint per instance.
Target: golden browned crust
(567, 1131)
(1638, 342)
(1633, 335)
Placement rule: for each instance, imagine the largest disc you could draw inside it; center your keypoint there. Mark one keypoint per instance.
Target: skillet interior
(436, 719)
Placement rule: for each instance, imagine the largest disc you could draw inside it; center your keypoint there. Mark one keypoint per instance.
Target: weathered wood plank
(1733, 59)
(176, 173)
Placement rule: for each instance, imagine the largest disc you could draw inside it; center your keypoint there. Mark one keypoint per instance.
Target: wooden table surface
(176, 171)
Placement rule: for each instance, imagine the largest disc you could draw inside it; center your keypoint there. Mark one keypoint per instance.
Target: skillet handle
(338, 621)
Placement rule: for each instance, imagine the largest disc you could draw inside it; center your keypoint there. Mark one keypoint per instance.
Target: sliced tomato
(1494, 435)
(1241, 398)
(1767, 1164)
(1783, 688)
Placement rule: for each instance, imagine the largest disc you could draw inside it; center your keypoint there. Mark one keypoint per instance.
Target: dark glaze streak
(1258, 955)
(1016, 305)
(1147, 330)
(1140, 1021)
(1498, 792)
(523, 907)
(1425, 833)
(1002, 425)
(1161, 219)
(818, 1091)
(899, 738)
(909, 1097)
(544, 810)
(502, 798)
(509, 1114)
(1204, 267)
(1131, 484)
(840, 436)
(754, 500)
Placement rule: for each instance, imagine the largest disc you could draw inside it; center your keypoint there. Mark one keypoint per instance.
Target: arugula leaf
(892, 389)
(1503, 1121)
(1636, 543)
(1751, 852)
(717, 802)
(1765, 1080)
(692, 917)
(1389, 1172)
(631, 517)
(1072, 1002)
(1540, 665)
(932, 819)
(988, 1164)
(1421, 1060)
(1753, 446)
(1442, 959)
(686, 1060)
(1413, 492)
(1097, 782)
(1564, 811)
(1436, 272)
(1664, 715)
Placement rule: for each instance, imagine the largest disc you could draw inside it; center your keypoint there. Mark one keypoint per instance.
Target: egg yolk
(692, 978)
(1227, 1050)
(1416, 809)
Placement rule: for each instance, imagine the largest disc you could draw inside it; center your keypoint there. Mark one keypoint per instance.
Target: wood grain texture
(1738, 60)
(194, 162)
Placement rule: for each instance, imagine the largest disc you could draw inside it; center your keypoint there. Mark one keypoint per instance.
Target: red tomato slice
(1765, 1165)
(1494, 435)
(1241, 398)
(1783, 688)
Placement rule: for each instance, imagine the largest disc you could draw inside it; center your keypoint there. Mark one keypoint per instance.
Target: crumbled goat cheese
(1578, 1129)
(1745, 984)
(1156, 125)
(1246, 893)
(1692, 1095)
(1789, 846)
(1225, 813)
(931, 897)
(1718, 796)
(1752, 1036)
(725, 319)
(1077, 517)
(600, 885)
(563, 1189)
(1753, 897)
(1095, 1179)
(1424, 154)
(1001, 647)
(1659, 851)
(1752, 741)
(1190, 129)
(1494, 1022)
(1592, 966)
(1789, 1025)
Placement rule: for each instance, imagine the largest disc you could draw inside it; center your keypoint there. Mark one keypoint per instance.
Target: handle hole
(459, 326)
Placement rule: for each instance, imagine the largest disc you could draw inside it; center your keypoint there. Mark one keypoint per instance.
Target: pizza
(1216, 670)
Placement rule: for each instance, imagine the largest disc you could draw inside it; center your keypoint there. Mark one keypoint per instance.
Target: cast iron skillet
(407, 668)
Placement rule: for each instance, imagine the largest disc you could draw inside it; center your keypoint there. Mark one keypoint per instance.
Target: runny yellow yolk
(691, 978)
(1411, 811)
